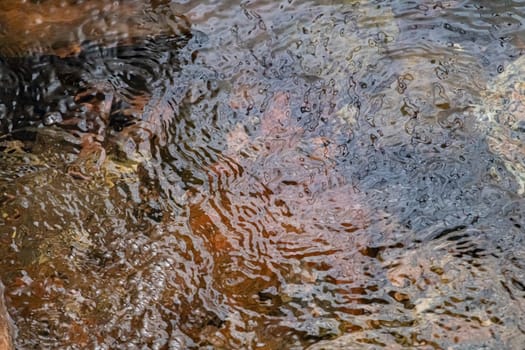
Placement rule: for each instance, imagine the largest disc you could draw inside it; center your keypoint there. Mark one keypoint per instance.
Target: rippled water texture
(263, 175)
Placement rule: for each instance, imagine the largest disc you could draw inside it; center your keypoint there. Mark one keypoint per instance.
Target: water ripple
(276, 175)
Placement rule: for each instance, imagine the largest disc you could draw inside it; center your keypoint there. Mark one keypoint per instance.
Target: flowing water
(263, 175)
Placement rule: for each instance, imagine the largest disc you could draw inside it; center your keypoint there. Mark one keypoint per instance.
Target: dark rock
(104, 86)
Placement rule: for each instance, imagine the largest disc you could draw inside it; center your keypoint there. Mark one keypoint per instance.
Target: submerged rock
(58, 27)
(115, 94)
(502, 119)
(6, 325)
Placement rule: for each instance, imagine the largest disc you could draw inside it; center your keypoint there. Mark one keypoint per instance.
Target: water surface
(291, 175)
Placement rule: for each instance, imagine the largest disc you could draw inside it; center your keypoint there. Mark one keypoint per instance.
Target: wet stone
(6, 324)
(98, 91)
(52, 118)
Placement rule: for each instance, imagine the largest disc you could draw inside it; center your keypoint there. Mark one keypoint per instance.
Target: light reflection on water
(302, 175)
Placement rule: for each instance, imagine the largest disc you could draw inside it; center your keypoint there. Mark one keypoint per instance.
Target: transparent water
(268, 175)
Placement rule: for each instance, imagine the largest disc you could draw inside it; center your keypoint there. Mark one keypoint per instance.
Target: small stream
(263, 175)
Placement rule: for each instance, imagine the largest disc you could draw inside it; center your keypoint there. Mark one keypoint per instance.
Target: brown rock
(6, 324)
(58, 27)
